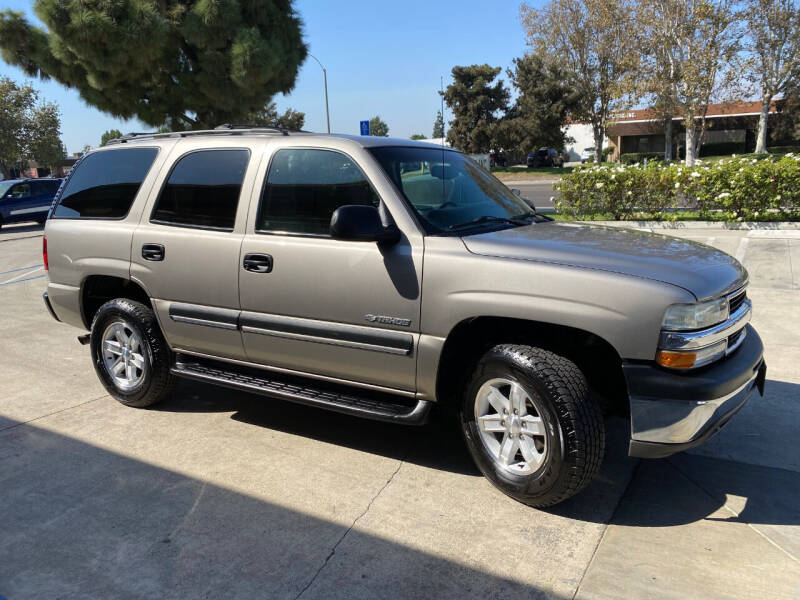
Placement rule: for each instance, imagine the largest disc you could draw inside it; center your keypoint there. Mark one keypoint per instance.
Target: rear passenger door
(186, 249)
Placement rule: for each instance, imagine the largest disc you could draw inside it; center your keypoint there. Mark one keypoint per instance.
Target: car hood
(702, 270)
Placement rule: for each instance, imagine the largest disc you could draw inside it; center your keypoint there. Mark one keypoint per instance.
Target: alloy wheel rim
(510, 426)
(123, 355)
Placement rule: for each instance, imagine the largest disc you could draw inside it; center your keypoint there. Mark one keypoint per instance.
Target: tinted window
(104, 184)
(203, 190)
(46, 188)
(20, 191)
(304, 187)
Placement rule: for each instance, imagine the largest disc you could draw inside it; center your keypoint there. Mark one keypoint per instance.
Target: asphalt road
(221, 494)
(540, 192)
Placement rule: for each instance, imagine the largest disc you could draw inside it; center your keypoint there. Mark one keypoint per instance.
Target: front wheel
(532, 425)
(129, 353)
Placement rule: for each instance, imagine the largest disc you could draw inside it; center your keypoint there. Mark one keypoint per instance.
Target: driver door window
(304, 187)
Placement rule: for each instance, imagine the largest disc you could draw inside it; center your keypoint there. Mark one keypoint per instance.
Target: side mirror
(362, 224)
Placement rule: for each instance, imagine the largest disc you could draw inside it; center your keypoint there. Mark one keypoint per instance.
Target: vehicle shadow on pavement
(437, 445)
(688, 487)
(83, 521)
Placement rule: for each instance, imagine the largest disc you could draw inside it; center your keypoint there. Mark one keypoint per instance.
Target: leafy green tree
(438, 126)
(596, 41)
(378, 127)
(546, 97)
(774, 26)
(417, 136)
(268, 116)
(29, 129)
(476, 100)
(187, 63)
(111, 134)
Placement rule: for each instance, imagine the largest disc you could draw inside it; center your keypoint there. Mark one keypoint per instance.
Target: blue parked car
(26, 199)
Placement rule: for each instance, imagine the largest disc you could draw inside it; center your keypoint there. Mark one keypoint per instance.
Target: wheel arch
(96, 290)
(469, 339)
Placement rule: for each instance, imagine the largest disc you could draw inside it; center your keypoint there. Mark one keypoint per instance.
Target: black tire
(157, 382)
(572, 419)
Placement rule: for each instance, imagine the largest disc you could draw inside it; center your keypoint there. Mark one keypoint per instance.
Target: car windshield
(4, 187)
(450, 191)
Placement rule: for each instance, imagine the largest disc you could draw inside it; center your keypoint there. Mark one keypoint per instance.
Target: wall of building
(583, 137)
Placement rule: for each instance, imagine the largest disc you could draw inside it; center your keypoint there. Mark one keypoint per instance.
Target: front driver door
(331, 308)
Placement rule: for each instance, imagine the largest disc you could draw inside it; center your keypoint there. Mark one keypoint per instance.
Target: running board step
(363, 403)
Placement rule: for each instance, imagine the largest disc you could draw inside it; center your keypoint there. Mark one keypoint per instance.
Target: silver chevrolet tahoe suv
(382, 278)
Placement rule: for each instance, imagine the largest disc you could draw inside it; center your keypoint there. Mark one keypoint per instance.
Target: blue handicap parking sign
(364, 127)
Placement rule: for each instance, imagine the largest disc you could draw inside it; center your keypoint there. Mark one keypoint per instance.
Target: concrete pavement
(221, 494)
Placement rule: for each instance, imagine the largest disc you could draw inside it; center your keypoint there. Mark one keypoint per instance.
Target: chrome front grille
(736, 300)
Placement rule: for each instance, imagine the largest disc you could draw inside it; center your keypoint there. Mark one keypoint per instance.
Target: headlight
(681, 317)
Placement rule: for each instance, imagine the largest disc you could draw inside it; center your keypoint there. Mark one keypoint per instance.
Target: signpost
(364, 127)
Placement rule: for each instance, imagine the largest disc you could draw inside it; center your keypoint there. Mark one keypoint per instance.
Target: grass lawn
(525, 174)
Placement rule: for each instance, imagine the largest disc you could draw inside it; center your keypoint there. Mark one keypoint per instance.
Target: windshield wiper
(519, 220)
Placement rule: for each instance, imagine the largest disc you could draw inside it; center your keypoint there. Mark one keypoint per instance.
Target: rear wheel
(129, 353)
(532, 425)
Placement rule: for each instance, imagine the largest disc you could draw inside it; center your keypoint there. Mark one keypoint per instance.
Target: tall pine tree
(188, 63)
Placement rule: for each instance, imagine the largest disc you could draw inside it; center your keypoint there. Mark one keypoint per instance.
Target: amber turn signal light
(676, 360)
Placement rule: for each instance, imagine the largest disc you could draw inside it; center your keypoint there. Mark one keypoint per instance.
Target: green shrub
(783, 149)
(722, 149)
(637, 157)
(745, 188)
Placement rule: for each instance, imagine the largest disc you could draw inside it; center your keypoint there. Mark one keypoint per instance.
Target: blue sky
(382, 58)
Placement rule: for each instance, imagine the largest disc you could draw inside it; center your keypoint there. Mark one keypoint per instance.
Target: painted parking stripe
(20, 269)
(25, 211)
(21, 280)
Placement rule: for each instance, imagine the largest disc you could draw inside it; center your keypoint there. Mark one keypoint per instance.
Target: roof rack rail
(224, 129)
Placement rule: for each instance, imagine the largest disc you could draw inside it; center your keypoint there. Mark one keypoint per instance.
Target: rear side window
(105, 184)
(203, 190)
(47, 188)
(304, 187)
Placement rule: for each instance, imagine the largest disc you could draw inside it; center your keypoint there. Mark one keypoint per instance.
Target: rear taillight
(44, 253)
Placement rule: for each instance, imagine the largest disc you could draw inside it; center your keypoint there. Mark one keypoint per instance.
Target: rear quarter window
(104, 184)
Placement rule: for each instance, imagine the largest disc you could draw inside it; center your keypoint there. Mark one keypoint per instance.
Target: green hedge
(783, 149)
(744, 188)
(638, 157)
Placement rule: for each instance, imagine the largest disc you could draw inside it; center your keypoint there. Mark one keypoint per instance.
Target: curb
(754, 226)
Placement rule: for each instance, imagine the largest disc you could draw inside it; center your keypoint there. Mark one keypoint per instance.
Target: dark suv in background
(545, 157)
(26, 199)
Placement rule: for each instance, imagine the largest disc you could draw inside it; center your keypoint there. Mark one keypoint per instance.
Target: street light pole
(325, 79)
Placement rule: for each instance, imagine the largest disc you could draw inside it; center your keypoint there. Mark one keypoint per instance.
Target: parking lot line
(15, 280)
(20, 269)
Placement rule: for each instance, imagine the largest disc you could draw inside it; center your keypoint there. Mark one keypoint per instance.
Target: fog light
(674, 359)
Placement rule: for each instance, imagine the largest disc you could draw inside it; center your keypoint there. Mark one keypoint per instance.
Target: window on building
(203, 190)
(105, 184)
(304, 188)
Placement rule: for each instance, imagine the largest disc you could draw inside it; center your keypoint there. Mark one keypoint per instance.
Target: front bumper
(672, 411)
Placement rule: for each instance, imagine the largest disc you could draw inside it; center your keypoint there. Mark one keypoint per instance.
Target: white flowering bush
(739, 188)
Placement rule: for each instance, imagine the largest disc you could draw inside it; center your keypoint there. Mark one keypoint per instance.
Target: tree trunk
(761, 138)
(598, 143)
(5, 170)
(691, 138)
(668, 138)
